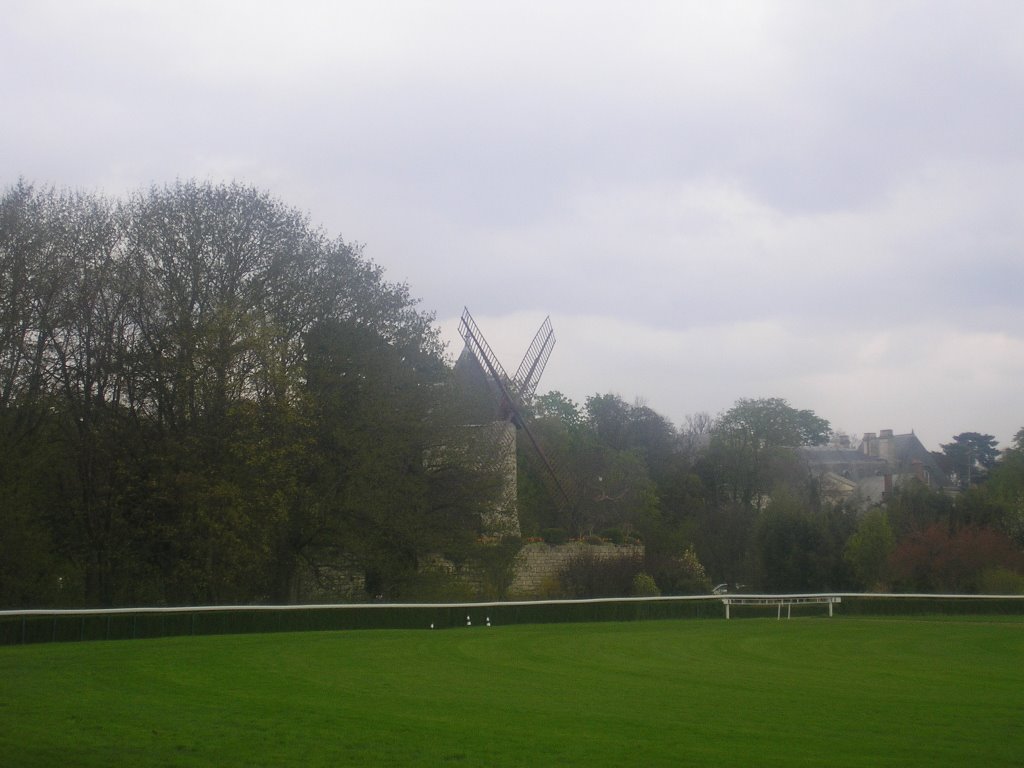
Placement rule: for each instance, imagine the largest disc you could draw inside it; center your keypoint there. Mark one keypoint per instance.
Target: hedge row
(920, 605)
(36, 627)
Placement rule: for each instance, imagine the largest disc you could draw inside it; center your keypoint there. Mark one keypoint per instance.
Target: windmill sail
(530, 370)
(514, 392)
(481, 350)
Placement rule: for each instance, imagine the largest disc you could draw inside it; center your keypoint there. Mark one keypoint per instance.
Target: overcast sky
(820, 201)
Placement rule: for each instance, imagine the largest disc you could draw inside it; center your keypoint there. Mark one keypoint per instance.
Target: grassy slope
(752, 692)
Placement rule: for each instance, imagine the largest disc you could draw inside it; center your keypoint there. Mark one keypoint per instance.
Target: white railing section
(335, 606)
(482, 610)
(787, 600)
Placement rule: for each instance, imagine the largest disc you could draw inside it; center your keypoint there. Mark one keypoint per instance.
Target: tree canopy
(972, 455)
(772, 422)
(201, 394)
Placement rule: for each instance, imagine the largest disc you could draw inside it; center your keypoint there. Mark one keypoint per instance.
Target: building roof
(882, 461)
(844, 462)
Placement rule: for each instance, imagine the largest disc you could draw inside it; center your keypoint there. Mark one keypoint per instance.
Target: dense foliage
(736, 490)
(204, 399)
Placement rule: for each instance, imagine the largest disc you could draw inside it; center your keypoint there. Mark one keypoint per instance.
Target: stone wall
(537, 565)
(535, 570)
(328, 583)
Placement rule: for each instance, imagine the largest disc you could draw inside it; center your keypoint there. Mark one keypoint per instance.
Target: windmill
(508, 396)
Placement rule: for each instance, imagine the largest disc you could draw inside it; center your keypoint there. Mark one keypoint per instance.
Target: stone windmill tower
(503, 401)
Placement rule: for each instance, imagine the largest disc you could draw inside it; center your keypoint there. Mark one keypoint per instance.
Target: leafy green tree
(913, 506)
(869, 548)
(644, 585)
(63, 347)
(657, 440)
(35, 453)
(226, 281)
(381, 413)
(673, 527)
(620, 493)
(724, 534)
(33, 571)
(770, 422)
(495, 560)
(1018, 440)
(1005, 489)
(566, 440)
(555, 406)
(751, 447)
(982, 505)
(787, 542)
(159, 438)
(25, 310)
(677, 573)
(748, 463)
(229, 280)
(609, 416)
(624, 427)
(603, 469)
(642, 433)
(972, 455)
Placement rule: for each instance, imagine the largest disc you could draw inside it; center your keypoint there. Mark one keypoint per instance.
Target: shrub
(614, 535)
(937, 560)
(589, 575)
(869, 548)
(644, 586)
(554, 536)
(682, 575)
(1002, 581)
(433, 586)
(496, 561)
(551, 589)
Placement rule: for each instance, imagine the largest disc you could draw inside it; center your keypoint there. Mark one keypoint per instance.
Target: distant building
(871, 472)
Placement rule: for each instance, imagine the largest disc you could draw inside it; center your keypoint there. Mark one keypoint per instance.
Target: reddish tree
(936, 559)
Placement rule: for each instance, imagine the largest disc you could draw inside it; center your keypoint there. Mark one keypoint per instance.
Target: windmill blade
(481, 350)
(530, 369)
(526, 380)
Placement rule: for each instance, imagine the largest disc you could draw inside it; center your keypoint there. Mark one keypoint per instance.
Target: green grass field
(824, 692)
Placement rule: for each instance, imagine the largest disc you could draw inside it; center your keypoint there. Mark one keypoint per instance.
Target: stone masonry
(537, 564)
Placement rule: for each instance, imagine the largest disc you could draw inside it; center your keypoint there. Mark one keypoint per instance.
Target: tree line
(735, 491)
(206, 399)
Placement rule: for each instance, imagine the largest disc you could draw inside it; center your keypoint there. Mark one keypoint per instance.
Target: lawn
(811, 691)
